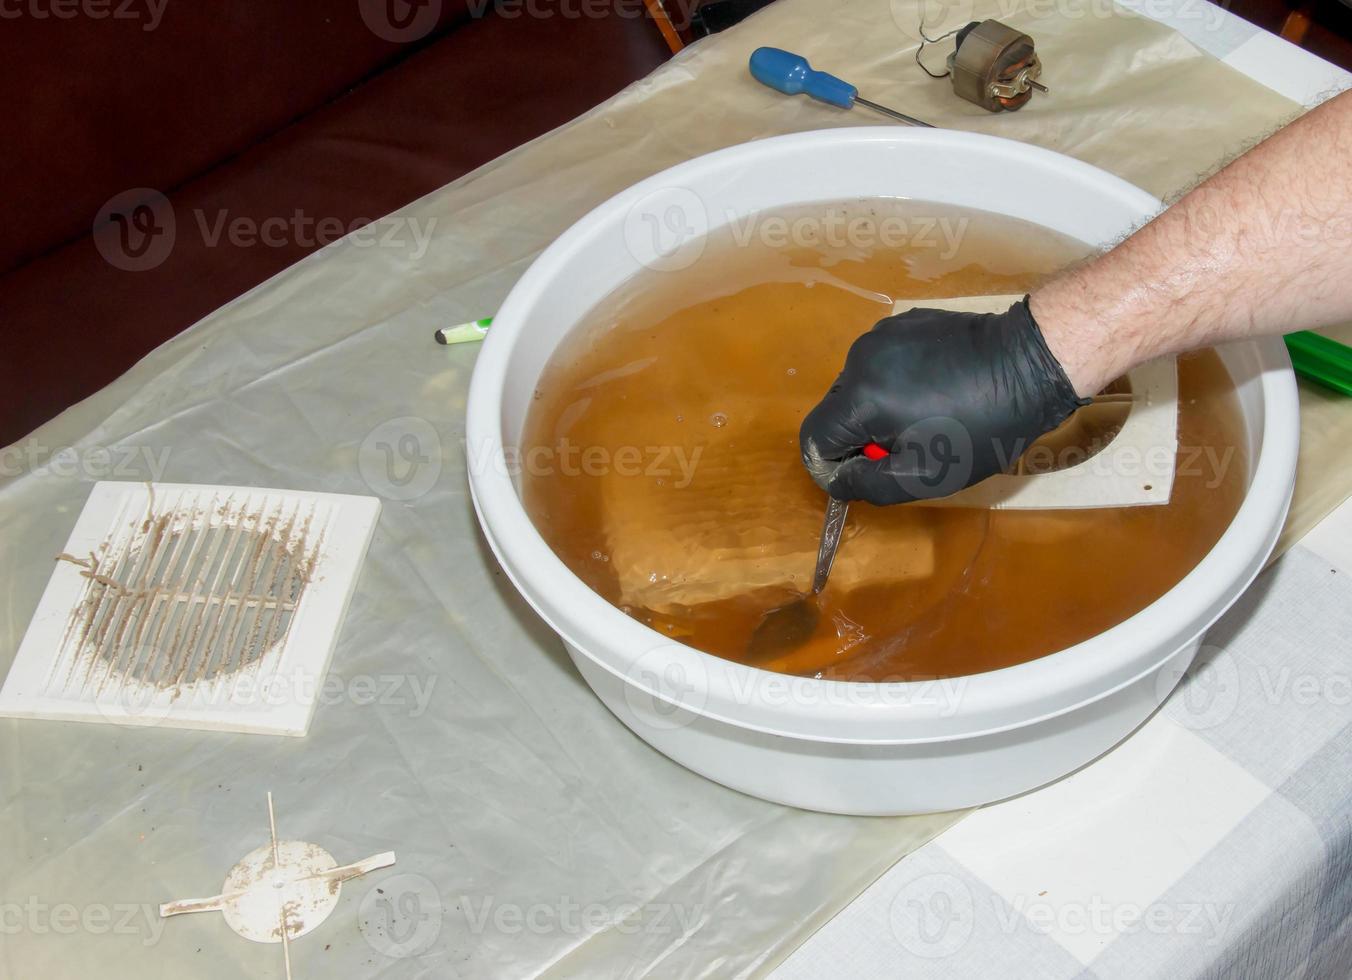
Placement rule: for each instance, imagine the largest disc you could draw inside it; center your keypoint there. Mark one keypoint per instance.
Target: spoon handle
(832, 527)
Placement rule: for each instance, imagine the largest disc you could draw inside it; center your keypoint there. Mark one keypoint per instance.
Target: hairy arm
(1264, 246)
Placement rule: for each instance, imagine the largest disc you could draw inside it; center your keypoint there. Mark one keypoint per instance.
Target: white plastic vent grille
(193, 607)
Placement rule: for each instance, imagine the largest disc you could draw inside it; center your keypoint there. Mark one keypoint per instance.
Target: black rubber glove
(953, 397)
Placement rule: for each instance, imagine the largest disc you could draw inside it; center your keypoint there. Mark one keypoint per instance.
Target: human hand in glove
(953, 398)
(957, 397)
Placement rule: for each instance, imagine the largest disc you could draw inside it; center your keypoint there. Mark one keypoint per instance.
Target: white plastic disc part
(258, 893)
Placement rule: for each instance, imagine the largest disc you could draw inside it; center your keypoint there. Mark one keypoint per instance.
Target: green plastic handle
(1321, 360)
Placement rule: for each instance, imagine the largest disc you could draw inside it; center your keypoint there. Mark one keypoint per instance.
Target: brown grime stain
(220, 594)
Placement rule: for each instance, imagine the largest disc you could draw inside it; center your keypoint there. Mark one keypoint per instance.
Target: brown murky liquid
(660, 460)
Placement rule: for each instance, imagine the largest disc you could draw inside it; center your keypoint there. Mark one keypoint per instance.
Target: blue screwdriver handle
(790, 73)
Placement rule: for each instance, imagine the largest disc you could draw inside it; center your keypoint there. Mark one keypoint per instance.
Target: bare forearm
(1264, 246)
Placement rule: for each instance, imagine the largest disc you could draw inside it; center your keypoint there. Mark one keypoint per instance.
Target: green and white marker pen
(464, 333)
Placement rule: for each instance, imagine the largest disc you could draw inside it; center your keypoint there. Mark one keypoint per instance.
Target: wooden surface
(1323, 27)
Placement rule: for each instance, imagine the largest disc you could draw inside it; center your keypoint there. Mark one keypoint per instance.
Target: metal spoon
(789, 625)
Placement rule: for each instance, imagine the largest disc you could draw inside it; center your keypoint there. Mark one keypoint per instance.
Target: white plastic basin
(831, 745)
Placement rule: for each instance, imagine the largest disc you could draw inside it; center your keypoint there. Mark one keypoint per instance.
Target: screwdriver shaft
(892, 112)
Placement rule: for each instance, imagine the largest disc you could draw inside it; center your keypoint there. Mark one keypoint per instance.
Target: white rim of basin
(850, 711)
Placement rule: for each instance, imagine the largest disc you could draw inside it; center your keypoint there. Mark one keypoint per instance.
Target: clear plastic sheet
(535, 835)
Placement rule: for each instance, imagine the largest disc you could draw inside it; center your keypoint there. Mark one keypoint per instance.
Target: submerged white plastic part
(1136, 468)
(904, 747)
(189, 606)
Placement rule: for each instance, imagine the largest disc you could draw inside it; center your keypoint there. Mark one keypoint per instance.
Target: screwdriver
(790, 73)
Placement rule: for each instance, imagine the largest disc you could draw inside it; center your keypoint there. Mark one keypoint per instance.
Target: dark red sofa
(298, 116)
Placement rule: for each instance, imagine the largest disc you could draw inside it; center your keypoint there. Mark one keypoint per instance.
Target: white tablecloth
(1217, 841)
(534, 833)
